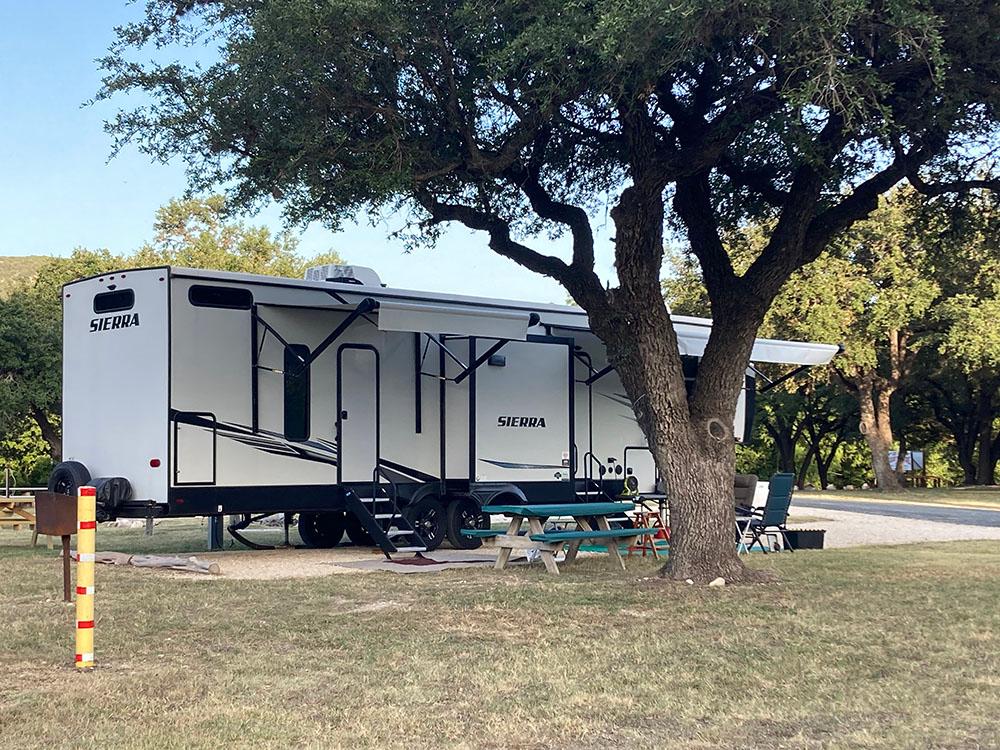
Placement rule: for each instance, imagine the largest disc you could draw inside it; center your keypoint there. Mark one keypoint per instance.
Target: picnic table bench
(550, 542)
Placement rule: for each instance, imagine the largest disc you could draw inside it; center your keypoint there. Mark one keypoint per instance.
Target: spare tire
(68, 477)
(112, 493)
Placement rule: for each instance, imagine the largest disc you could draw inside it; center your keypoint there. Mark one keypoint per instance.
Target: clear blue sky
(58, 190)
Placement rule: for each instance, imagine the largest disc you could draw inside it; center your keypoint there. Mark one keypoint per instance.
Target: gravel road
(874, 526)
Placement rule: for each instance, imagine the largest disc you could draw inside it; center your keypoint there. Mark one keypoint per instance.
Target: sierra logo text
(504, 421)
(114, 322)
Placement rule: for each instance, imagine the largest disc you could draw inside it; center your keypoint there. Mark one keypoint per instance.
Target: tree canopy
(521, 119)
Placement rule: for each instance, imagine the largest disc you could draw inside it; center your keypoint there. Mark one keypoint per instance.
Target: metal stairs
(592, 491)
(380, 516)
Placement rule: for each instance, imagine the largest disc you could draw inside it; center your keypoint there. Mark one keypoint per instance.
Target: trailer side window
(230, 298)
(296, 393)
(109, 302)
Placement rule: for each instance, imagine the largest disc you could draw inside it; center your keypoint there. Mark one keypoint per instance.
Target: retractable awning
(693, 337)
(454, 320)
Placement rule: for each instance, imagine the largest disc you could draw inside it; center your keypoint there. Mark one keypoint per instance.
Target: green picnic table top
(559, 509)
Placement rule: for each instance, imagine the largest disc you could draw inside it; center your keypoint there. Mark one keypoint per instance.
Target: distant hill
(15, 269)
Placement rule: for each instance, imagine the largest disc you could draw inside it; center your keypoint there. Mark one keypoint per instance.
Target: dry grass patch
(877, 648)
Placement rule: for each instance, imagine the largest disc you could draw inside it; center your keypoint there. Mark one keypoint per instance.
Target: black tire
(68, 477)
(356, 532)
(465, 513)
(427, 517)
(321, 530)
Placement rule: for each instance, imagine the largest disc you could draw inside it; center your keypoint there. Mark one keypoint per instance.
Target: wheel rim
(471, 519)
(427, 525)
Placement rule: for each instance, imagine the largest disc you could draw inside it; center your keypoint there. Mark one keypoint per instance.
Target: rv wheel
(357, 533)
(465, 513)
(68, 477)
(427, 518)
(321, 530)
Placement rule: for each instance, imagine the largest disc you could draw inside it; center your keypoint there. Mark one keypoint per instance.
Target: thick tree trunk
(968, 467)
(952, 404)
(825, 460)
(965, 450)
(875, 426)
(807, 459)
(823, 469)
(695, 456)
(49, 433)
(692, 441)
(984, 417)
(784, 442)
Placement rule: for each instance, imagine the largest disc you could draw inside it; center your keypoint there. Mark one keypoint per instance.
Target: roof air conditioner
(344, 275)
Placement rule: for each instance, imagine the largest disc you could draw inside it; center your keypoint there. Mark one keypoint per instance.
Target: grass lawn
(876, 648)
(986, 497)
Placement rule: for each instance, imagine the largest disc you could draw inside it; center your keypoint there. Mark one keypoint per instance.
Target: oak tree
(521, 119)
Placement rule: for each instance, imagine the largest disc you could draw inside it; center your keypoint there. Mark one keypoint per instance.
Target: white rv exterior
(220, 393)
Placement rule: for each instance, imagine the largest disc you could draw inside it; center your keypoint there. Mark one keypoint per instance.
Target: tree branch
(758, 180)
(693, 203)
(499, 232)
(569, 215)
(952, 186)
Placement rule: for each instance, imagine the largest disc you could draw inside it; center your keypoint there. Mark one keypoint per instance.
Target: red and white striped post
(86, 539)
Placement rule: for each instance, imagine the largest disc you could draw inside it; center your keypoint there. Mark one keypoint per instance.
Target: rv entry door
(357, 412)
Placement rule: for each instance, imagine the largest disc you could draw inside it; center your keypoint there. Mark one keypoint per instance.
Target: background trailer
(391, 414)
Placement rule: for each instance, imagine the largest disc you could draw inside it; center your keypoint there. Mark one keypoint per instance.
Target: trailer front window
(117, 301)
(296, 392)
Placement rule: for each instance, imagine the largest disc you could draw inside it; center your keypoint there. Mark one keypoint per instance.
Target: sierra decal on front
(520, 421)
(114, 322)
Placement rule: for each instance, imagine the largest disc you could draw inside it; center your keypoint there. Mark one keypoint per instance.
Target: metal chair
(770, 520)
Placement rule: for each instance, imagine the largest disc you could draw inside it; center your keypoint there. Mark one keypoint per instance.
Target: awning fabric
(692, 340)
(452, 319)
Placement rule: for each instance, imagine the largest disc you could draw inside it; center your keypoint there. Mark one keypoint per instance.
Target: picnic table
(550, 542)
(17, 511)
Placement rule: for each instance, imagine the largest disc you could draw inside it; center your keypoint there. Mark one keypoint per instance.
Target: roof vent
(344, 275)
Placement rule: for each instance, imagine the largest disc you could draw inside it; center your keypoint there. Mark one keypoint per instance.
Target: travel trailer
(388, 414)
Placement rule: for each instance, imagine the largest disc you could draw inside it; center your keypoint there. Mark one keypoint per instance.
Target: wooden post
(67, 595)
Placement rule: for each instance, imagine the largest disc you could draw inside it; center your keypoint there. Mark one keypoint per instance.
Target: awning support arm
(787, 376)
(584, 361)
(270, 329)
(758, 374)
(364, 306)
(446, 350)
(598, 375)
(480, 360)
(793, 373)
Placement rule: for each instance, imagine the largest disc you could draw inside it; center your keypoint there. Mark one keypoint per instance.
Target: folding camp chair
(770, 520)
(744, 488)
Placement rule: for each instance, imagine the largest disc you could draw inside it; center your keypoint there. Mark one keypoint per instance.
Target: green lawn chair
(770, 520)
